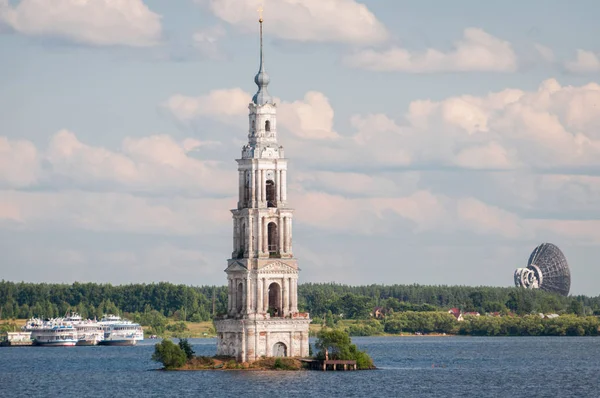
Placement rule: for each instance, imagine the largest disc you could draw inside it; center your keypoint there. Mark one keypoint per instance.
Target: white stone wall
(250, 339)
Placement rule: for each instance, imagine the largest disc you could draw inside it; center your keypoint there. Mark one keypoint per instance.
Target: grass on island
(229, 363)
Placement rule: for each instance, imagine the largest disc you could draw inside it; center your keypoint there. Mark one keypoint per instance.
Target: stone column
(280, 231)
(243, 296)
(277, 197)
(255, 342)
(259, 237)
(265, 295)
(243, 345)
(284, 185)
(250, 237)
(241, 189)
(302, 354)
(229, 297)
(247, 295)
(259, 296)
(291, 350)
(267, 344)
(263, 188)
(286, 241)
(294, 294)
(280, 187)
(234, 294)
(257, 189)
(252, 189)
(286, 296)
(265, 236)
(290, 250)
(235, 235)
(281, 296)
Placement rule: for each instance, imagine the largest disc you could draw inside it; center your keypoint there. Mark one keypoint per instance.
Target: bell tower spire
(261, 79)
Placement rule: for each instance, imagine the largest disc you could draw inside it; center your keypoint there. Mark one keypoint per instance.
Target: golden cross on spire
(260, 13)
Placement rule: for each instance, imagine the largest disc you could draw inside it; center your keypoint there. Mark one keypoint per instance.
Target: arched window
(271, 202)
(275, 299)
(279, 350)
(239, 296)
(273, 239)
(268, 125)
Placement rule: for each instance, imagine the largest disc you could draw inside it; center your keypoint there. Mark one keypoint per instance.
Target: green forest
(407, 308)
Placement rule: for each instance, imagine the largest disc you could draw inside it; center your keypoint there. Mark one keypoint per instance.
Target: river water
(408, 367)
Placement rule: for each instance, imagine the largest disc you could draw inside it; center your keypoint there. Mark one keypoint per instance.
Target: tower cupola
(262, 79)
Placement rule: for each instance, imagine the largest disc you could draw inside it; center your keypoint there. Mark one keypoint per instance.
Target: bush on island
(169, 354)
(186, 347)
(339, 346)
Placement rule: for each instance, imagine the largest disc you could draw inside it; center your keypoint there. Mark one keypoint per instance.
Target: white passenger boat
(53, 332)
(119, 331)
(89, 332)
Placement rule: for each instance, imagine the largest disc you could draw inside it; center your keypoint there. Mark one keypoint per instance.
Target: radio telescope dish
(547, 269)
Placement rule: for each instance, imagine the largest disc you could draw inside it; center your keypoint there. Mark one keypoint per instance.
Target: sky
(429, 142)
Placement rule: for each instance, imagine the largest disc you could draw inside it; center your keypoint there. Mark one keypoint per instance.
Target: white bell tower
(262, 313)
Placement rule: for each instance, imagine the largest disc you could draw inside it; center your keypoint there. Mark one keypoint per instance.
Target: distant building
(378, 313)
(456, 313)
(472, 314)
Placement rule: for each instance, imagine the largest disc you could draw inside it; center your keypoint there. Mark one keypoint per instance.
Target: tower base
(249, 338)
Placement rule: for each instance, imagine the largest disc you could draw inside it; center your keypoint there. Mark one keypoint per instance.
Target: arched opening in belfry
(271, 199)
(273, 239)
(274, 299)
(239, 297)
(279, 350)
(268, 125)
(242, 248)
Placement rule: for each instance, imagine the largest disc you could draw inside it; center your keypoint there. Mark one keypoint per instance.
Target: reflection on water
(408, 366)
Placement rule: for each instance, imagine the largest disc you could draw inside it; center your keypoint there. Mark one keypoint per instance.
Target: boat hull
(118, 342)
(55, 343)
(86, 342)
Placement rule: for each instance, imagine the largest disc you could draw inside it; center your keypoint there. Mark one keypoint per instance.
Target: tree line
(444, 323)
(336, 301)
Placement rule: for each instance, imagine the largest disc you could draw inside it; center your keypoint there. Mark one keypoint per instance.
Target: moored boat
(89, 332)
(120, 332)
(53, 332)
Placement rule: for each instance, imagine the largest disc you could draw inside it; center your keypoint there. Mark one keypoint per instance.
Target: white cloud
(156, 164)
(114, 212)
(425, 211)
(206, 41)
(480, 217)
(96, 22)
(586, 62)
(477, 51)
(19, 163)
(553, 127)
(545, 52)
(219, 104)
(151, 164)
(310, 118)
(345, 21)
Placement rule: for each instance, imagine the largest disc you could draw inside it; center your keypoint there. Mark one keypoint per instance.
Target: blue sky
(429, 142)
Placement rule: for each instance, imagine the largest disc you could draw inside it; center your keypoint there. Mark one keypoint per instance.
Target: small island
(334, 348)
